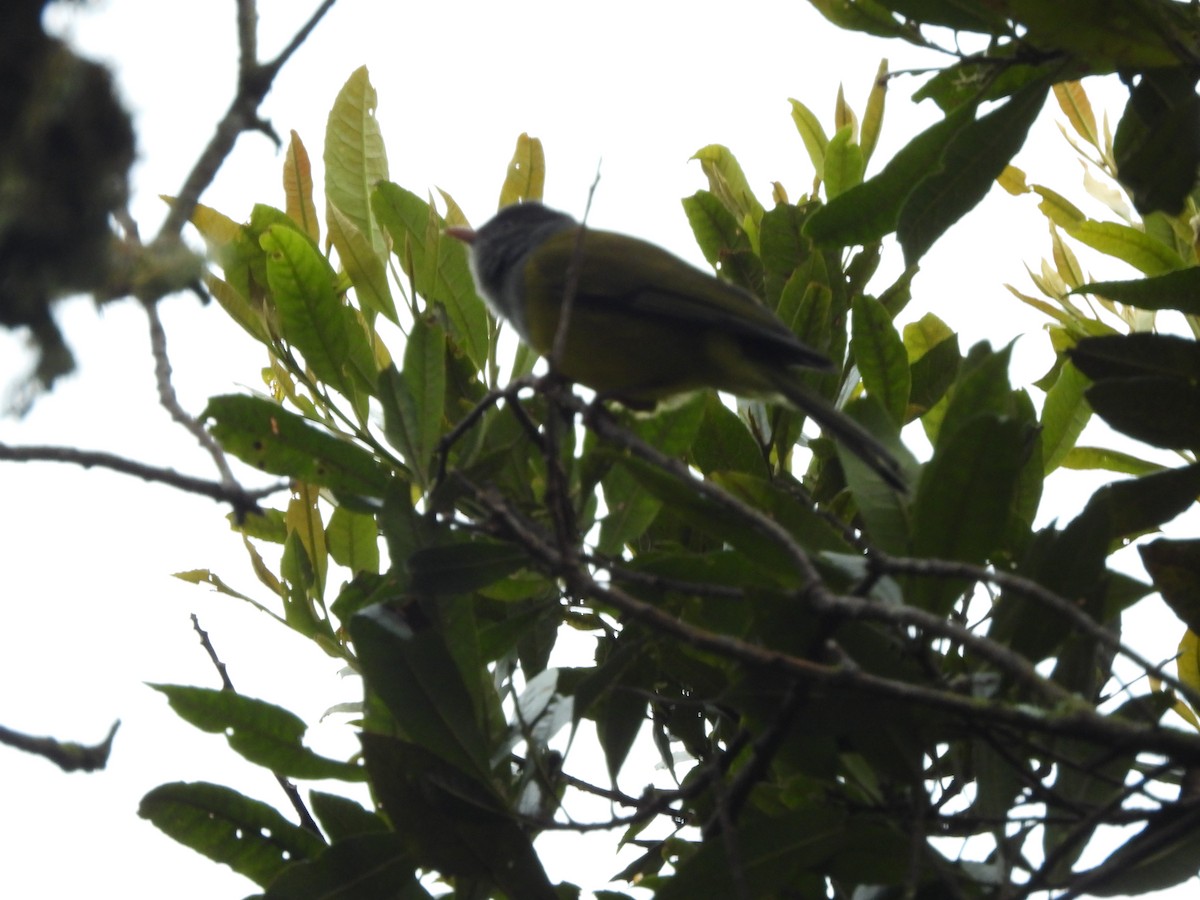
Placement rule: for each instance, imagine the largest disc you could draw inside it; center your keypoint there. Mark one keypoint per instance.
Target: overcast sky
(91, 612)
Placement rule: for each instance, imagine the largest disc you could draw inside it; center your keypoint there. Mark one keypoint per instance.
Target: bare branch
(243, 501)
(67, 755)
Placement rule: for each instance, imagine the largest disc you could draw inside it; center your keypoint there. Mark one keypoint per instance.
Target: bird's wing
(616, 270)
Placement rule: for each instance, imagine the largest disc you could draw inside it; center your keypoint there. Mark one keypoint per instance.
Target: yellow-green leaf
(813, 135)
(526, 177)
(367, 270)
(355, 159)
(872, 122)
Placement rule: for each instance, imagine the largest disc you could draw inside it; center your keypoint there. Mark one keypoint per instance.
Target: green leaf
(248, 836)
(724, 443)
(1138, 505)
(526, 176)
(263, 434)
(1145, 253)
(353, 540)
(784, 250)
(813, 135)
(872, 123)
(417, 678)
(1163, 854)
(311, 315)
(982, 387)
(973, 159)
(364, 867)
(355, 158)
(871, 211)
(263, 733)
(965, 498)
(1112, 460)
(723, 240)
(630, 509)
(869, 16)
(932, 373)
(366, 268)
(844, 163)
(1063, 416)
(413, 400)
(727, 181)
(437, 264)
(880, 355)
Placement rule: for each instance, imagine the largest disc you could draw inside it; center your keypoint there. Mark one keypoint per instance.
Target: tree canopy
(840, 676)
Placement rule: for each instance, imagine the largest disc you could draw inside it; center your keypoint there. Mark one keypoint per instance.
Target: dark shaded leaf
(342, 818)
(450, 821)
(263, 733)
(881, 356)
(464, 567)
(417, 678)
(1179, 290)
(364, 867)
(1174, 566)
(1162, 411)
(1141, 353)
(972, 160)
(246, 835)
(1157, 144)
(965, 498)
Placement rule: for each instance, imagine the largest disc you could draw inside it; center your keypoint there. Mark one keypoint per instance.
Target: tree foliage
(843, 680)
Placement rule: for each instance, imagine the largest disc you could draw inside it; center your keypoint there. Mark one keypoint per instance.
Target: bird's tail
(843, 429)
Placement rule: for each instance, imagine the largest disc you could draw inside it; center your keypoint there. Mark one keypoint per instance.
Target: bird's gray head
(500, 249)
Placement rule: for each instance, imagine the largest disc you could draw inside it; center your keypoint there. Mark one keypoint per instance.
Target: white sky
(90, 610)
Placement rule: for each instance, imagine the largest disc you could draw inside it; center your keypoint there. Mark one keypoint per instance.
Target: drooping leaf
(972, 160)
(263, 733)
(416, 677)
(246, 835)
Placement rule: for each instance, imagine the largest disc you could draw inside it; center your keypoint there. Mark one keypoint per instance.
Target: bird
(643, 325)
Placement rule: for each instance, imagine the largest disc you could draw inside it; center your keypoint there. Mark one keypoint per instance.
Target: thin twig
(67, 755)
(168, 399)
(942, 568)
(243, 501)
(1076, 720)
(307, 822)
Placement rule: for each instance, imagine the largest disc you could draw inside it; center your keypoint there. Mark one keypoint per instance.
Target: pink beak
(462, 233)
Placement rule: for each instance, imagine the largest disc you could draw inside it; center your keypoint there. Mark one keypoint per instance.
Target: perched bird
(643, 325)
